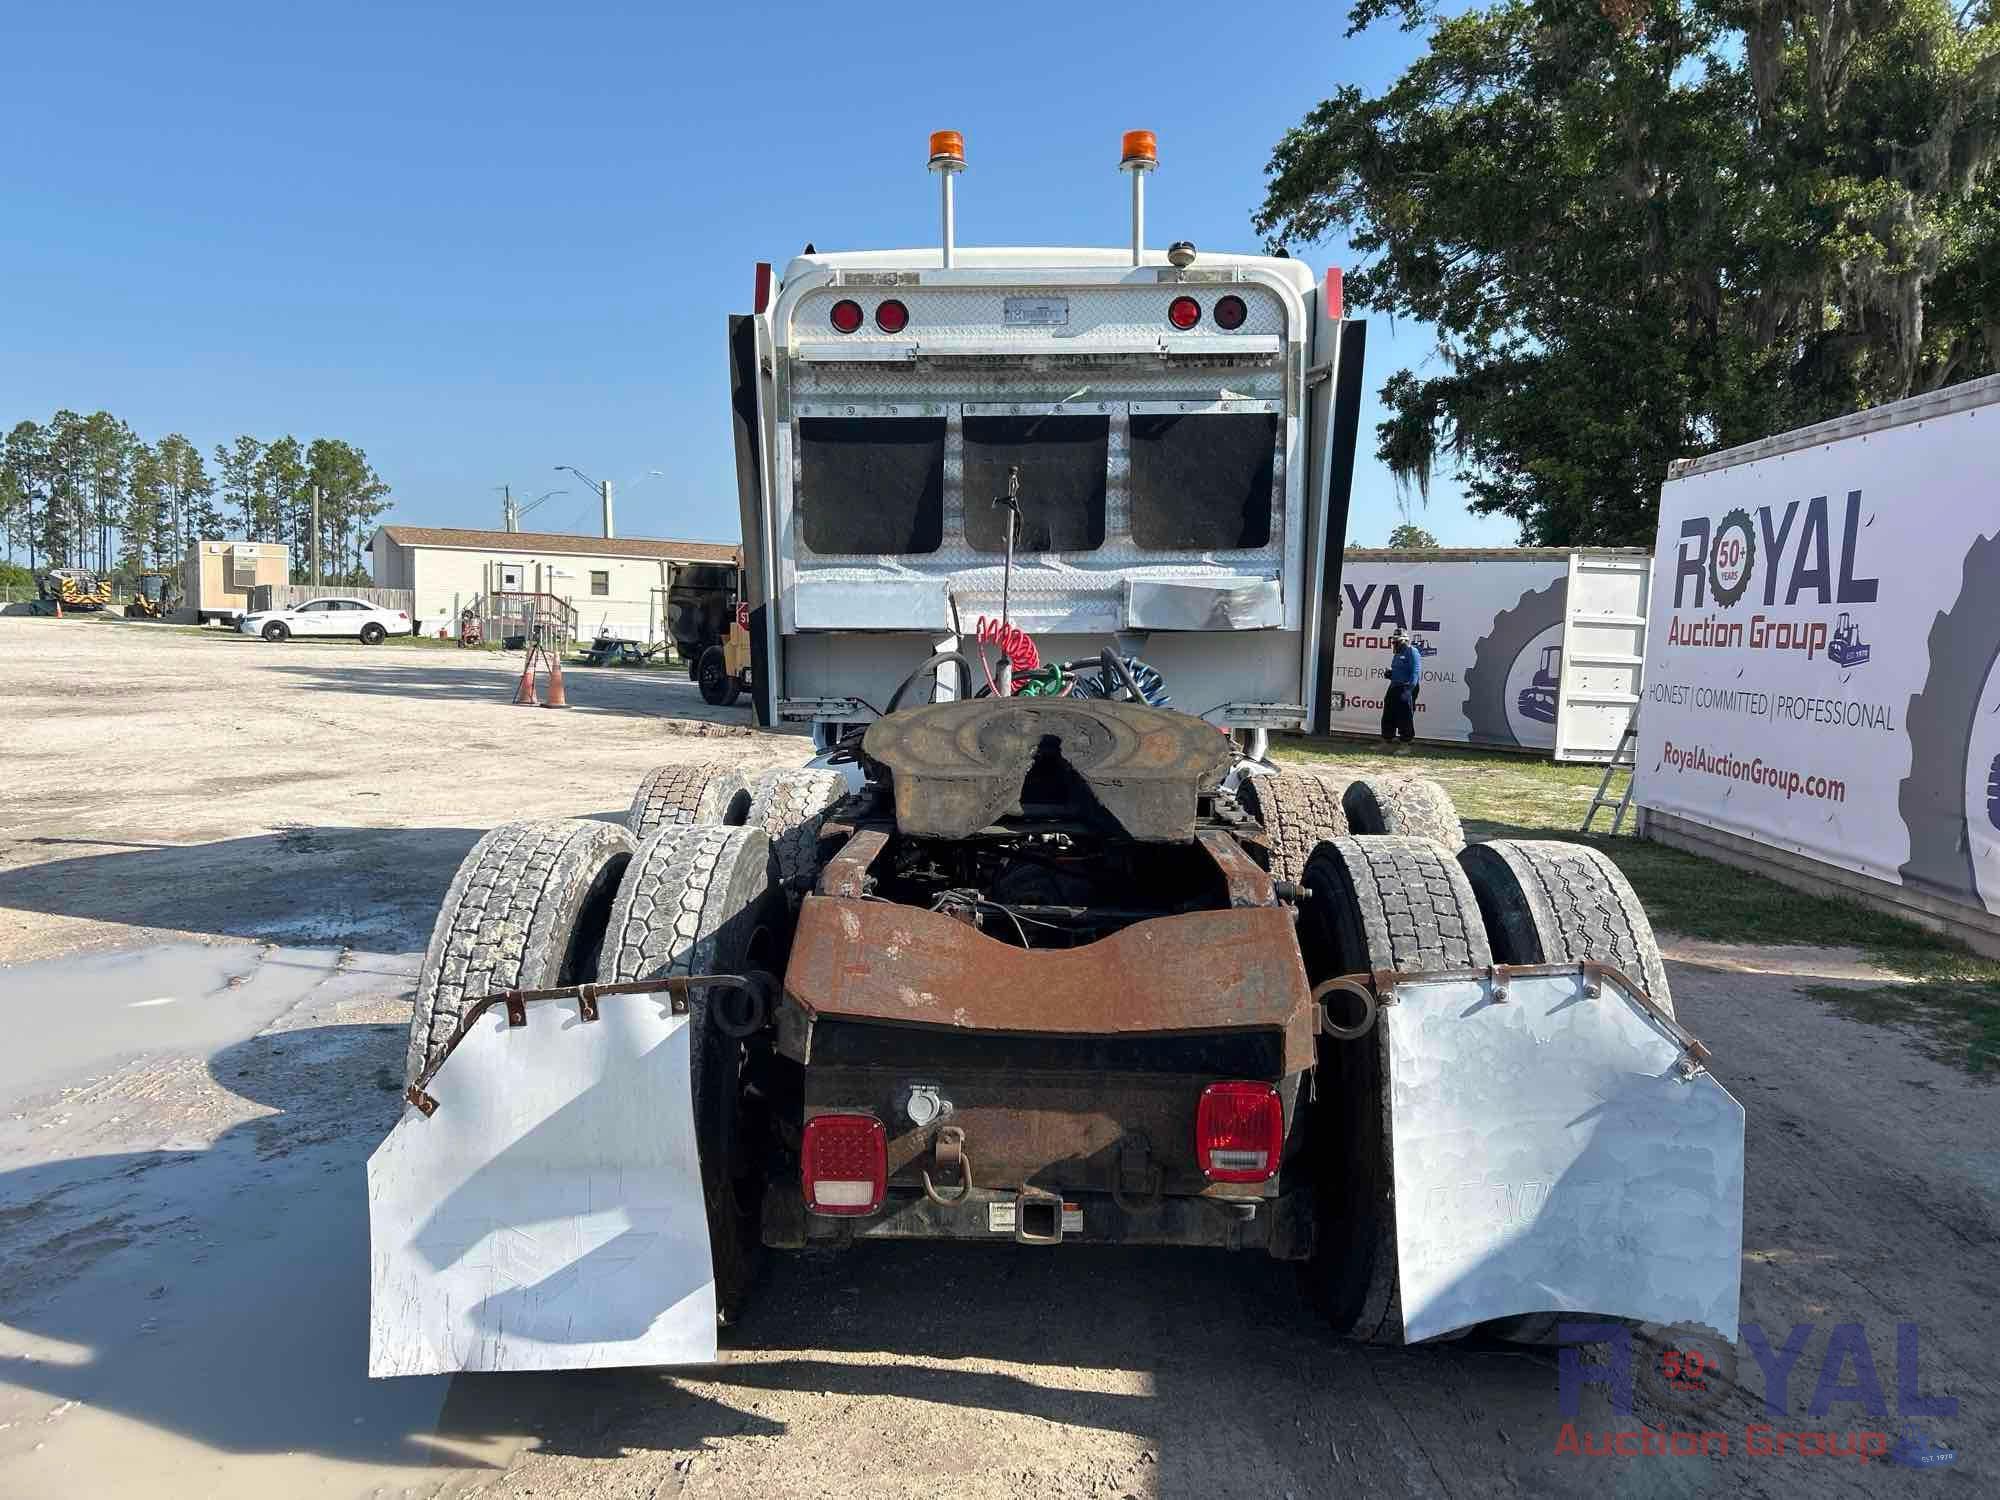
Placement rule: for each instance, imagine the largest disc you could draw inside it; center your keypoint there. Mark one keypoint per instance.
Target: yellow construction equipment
(72, 588)
(152, 596)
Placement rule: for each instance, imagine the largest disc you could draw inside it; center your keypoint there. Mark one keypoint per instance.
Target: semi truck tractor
(1041, 948)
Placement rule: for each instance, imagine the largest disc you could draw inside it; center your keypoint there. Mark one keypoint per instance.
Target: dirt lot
(218, 864)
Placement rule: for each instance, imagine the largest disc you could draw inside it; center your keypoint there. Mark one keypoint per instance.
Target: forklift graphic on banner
(1847, 649)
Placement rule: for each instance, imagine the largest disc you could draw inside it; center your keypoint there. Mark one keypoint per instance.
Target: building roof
(559, 542)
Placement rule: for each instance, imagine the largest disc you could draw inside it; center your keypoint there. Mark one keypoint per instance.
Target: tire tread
(1408, 806)
(680, 795)
(1555, 902)
(506, 919)
(1300, 810)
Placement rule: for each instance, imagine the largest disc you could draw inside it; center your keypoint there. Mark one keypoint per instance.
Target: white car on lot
(352, 618)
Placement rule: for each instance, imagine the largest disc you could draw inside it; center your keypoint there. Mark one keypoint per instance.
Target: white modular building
(609, 581)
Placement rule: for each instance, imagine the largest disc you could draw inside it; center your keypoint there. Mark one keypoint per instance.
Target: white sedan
(351, 618)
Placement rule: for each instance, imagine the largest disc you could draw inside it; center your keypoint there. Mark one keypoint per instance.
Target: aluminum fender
(1557, 1152)
(549, 1215)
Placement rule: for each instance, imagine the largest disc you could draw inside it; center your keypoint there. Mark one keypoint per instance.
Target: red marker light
(1184, 312)
(846, 316)
(891, 316)
(1230, 313)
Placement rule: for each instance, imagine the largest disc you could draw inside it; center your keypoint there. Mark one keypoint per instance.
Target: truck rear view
(1040, 948)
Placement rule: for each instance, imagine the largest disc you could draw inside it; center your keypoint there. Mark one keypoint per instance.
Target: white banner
(1821, 662)
(1490, 632)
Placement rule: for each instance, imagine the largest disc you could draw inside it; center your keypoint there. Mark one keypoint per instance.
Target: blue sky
(481, 241)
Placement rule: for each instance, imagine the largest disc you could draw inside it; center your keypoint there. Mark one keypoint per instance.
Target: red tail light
(846, 316)
(1239, 1132)
(844, 1164)
(891, 316)
(1184, 312)
(1230, 313)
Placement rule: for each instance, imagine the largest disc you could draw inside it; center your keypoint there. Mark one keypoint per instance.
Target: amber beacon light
(947, 151)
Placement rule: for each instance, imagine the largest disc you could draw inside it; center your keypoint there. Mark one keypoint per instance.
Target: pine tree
(352, 497)
(25, 460)
(107, 462)
(191, 514)
(281, 485)
(236, 468)
(65, 511)
(145, 542)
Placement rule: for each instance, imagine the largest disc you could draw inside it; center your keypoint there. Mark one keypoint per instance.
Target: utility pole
(508, 522)
(317, 577)
(606, 490)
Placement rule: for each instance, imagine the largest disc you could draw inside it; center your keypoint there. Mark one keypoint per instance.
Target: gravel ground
(218, 863)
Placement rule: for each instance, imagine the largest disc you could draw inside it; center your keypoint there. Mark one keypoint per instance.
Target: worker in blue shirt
(1399, 704)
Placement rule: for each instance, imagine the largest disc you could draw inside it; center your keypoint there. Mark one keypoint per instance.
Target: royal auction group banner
(1490, 632)
(1821, 654)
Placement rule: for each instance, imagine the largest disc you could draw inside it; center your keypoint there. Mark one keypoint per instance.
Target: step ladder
(1625, 758)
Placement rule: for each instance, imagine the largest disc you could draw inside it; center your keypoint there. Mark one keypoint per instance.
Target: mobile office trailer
(219, 577)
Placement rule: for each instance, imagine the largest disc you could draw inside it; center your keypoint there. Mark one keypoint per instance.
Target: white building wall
(444, 579)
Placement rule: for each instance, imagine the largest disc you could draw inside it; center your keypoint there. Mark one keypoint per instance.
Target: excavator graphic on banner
(1538, 699)
(1847, 649)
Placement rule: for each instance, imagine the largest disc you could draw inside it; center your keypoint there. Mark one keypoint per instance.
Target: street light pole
(317, 576)
(603, 489)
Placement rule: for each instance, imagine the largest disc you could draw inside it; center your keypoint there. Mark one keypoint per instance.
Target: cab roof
(1036, 257)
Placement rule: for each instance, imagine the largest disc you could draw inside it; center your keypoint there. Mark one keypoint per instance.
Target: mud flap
(548, 1215)
(1557, 1147)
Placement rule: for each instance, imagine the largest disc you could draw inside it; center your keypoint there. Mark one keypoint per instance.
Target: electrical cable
(896, 698)
(1115, 675)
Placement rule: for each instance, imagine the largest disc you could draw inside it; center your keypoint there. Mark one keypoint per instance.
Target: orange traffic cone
(58, 606)
(556, 698)
(524, 695)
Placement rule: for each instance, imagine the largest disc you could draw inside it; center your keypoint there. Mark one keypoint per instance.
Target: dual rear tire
(698, 899)
(694, 882)
(1403, 903)
(1300, 810)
